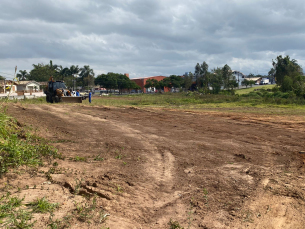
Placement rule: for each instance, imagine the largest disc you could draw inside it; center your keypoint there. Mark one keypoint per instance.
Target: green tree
(271, 74)
(41, 72)
(299, 85)
(188, 81)
(2, 77)
(172, 81)
(202, 75)
(286, 67)
(63, 72)
(216, 80)
(287, 84)
(74, 71)
(289, 75)
(197, 74)
(108, 81)
(232, 84)
(251, 82)
(245, 83)
(22, 75)
(122, 82)
(149, 84)
(133, 85)
(153, 83)
(227, 77)
(86, 76)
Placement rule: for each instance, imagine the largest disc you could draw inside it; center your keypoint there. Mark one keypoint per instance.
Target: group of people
(78, 94)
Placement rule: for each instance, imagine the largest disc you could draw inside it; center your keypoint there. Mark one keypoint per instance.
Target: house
(256, 80)
(239, 76)
(7, 85)
(28, 86)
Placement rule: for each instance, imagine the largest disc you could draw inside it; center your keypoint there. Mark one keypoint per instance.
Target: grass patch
(18, 148)
(8, 205)
(11, 216)
(20, 219)
(251, 89)
(42, 205)
(88, 212)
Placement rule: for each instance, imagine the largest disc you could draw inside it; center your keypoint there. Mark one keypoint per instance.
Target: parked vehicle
(265, 81)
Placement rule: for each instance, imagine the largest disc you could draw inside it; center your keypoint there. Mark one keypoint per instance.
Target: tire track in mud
(160, 162)
(154, 193)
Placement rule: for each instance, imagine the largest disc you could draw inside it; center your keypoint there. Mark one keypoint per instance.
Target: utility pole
(4, 85)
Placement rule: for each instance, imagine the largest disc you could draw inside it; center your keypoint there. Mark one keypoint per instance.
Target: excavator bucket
(72, 99)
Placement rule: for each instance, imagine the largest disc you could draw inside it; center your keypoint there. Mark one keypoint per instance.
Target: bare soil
(201, 169)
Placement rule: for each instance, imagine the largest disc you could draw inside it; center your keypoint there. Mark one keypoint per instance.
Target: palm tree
(74, 70)
(86, 73)
(54, 67)
(22, 75)
(64, 72)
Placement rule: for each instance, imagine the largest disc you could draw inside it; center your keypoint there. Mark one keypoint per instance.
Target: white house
(239, 76)
(28, 86)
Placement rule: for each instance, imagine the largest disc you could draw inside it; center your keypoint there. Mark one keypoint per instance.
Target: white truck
(264, 81)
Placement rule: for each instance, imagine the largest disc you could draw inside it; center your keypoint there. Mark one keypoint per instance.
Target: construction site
(163, 168)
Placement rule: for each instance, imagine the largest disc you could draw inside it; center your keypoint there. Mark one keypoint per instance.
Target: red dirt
(202, 169)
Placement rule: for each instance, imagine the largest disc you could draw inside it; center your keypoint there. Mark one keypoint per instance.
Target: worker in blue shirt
(90, 95)
(77, 93)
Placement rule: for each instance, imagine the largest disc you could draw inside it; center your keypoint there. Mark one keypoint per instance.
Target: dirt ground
(149, 166)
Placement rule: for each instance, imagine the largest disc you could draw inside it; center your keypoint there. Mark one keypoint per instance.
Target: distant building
(28, 86)
(256, 80)
(142, 81)
(6, 85)
(239, 76)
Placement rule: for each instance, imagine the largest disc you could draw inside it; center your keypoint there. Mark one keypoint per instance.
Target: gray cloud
(152, 37)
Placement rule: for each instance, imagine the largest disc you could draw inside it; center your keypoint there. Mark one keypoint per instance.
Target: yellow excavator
(56, 91)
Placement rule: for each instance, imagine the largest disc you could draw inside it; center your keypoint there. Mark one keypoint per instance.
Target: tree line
(77, 76)
(287, 73)
(202, 79)
(73, 75)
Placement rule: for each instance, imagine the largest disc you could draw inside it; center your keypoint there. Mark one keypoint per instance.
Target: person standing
(77, 93)
(90, 95)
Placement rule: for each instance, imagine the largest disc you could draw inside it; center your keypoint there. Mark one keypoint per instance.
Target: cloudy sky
(150, 37)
